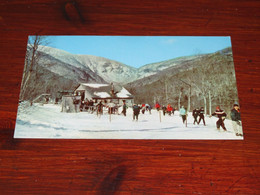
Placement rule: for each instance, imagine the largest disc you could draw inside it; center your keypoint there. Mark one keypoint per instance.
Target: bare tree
(213, 82)
(32, 58)
(202, 83)
(189, 94)
(179, 98)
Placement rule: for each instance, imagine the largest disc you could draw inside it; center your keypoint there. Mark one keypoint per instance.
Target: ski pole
(110, 110)
(186, 119)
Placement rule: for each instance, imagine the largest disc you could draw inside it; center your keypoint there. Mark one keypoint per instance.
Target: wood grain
(31, 166)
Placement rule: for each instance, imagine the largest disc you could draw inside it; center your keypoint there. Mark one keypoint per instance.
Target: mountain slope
(154, 68)
(209, 78)
(108, 70)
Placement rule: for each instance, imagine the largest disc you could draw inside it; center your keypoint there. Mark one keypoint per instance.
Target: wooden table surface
(31, 166)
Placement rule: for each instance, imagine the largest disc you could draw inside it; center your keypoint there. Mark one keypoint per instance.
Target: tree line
(207, 81)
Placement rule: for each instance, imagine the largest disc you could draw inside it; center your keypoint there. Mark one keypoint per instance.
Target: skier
(149, 108)
(124, 108)
(47, 100)
(136, 111)
(183, 114)
(143, 108)
(164, 109)
(100, 108)
(91, 105)
(169, 109)
(195, 114)
(157, 106)
(86, 105)
(201, 115)
(236, 120)
(111, 107)
(82, 105)
(221, 117)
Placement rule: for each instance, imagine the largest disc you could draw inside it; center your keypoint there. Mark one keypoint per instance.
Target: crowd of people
(91, 106)
(198, 113)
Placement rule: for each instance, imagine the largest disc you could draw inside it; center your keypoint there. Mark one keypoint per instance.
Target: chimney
(112, 89)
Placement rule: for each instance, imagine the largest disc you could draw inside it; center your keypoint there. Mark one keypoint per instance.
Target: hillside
(154, 68)
(207, 79)
(108, 70)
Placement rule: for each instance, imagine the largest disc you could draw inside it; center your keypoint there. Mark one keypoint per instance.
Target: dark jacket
(201, 112)
(235, 115)
(195, 112)
(136, 109)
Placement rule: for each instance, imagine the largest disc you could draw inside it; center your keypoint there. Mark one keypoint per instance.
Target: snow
(92, 85)
(123, 93)
(102, 94)
(47, 121)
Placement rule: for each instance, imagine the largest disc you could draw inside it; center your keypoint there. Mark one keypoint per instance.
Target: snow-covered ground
(48, 121)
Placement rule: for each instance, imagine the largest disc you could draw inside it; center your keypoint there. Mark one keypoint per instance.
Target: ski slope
(47, 121)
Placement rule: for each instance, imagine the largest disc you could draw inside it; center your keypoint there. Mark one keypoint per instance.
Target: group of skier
(143, 108)
(86, 105)
(235, 117)
(147, 107)
(221, 115)
(168, 110)
(99, 107)
(199, 115)
(198, 112)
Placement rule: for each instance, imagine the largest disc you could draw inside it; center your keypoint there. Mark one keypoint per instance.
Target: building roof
(104, 91)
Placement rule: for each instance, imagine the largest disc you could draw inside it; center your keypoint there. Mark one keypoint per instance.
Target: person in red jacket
(143, 108)
(169, 109)
(157, 106)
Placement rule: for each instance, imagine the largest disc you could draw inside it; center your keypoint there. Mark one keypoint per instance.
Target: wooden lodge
(103, 92)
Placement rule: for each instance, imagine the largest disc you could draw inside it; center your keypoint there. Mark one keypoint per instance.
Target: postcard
(129, 87)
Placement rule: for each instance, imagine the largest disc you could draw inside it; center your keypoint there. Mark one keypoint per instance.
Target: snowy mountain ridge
(108, 70)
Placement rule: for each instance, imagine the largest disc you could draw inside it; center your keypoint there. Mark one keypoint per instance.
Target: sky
(137, 51)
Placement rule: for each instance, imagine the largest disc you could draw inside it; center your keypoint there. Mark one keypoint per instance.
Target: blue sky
(137, 51)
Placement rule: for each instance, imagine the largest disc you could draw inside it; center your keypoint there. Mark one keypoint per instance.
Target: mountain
(207, 80)
(58, 70)
(154, 68)
(94, 66)
(100, 67)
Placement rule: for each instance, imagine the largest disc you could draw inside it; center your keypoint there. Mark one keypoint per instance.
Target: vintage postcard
(129, 87)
